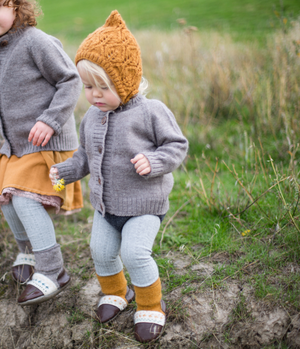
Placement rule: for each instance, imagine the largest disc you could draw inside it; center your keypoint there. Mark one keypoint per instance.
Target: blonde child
(129, 145)
(39, 87)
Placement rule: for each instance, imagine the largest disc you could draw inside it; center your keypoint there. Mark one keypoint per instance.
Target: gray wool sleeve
(171, 145)
(76, 167)
(58, 69)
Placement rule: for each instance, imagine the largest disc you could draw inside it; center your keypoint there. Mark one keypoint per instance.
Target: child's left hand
(53, 175)
(142, 165)
(40, 132)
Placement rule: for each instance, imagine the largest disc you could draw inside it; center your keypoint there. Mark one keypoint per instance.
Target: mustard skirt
(30, 173)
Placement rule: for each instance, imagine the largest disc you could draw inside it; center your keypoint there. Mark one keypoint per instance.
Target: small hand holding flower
(40, 132)
(53, 175)
(141, 164)
(58, 184)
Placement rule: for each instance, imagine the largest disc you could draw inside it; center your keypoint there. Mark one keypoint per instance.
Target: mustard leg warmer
(148, 298)
(115, 285)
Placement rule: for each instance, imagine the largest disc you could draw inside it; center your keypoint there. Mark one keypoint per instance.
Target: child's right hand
(53, 175)
(141, 164)
(39, 133)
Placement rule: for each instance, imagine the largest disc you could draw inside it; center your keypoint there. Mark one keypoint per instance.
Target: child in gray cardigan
(39, 87)
(129, 145)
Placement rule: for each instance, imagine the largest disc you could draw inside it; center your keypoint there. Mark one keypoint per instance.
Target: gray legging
(28, 219)
(134, 244)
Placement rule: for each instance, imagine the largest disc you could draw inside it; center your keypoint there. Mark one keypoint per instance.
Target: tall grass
(206, 77)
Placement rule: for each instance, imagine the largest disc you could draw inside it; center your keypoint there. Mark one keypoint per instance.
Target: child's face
(102, 98)
(7, 17)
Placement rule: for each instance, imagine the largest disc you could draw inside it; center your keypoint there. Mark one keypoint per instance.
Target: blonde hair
(94, 71)
(143, 86)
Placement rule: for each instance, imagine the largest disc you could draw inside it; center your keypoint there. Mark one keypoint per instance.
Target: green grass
(261, 242)
(237, 194)
(74, 19)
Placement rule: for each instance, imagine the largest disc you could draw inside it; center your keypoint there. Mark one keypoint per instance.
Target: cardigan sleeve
(76, 167)
(171, 145)
(58, 69)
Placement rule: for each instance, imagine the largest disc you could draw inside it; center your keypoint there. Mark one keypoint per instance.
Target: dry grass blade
(263, 194)
(281, 195)
(244, 267)
(235, 175)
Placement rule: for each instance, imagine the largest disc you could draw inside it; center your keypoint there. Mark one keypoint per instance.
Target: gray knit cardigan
(38, 82)
(110, 139)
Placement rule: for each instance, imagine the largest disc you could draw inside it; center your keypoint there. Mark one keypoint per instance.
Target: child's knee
(133, 257)
(102, 254)
(96, 252)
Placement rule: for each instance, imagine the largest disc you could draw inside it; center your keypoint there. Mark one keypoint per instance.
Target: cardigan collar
(11, 35)
(131, 103)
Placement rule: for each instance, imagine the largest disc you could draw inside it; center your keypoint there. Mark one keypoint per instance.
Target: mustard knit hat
(115, 49)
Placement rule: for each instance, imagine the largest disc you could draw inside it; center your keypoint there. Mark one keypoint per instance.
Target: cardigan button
(4, 43)
(101, 207)
(99, 180)
(100, 149)
(103, 121)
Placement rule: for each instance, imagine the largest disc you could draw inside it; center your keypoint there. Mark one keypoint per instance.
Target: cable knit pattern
(116, 50)
(38, 82)
(110, 140)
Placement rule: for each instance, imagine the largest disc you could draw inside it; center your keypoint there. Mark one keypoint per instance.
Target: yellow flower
(246, 232)
(59, 186)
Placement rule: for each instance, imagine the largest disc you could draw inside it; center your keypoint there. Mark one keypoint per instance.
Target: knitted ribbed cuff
(52, 123)
(66, 172)
(115, 285)
(49, 261)
(157, 166)
(148, 298)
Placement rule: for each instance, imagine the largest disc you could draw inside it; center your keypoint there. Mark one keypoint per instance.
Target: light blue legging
(134, 244)
(28, 219)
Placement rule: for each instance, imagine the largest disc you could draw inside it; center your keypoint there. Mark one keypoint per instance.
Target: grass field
(237, 101)
(74, 19)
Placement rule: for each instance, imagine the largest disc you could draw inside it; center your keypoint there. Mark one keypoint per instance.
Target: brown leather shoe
(22, 273)
(149, 325)
(41, 288)
(23, 268)
(110, 307)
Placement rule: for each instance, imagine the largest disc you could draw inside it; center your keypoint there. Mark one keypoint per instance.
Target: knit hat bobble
(116, 50)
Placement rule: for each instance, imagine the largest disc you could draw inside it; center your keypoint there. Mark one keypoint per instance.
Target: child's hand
(58, 184)
(142, 165)
(53, 175)
(39, 133)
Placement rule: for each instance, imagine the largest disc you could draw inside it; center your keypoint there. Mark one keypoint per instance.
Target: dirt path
(224, 317)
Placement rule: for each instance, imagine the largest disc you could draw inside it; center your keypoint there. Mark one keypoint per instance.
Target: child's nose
(97, 93)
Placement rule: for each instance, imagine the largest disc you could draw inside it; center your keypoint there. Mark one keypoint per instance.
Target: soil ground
(198, 317)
